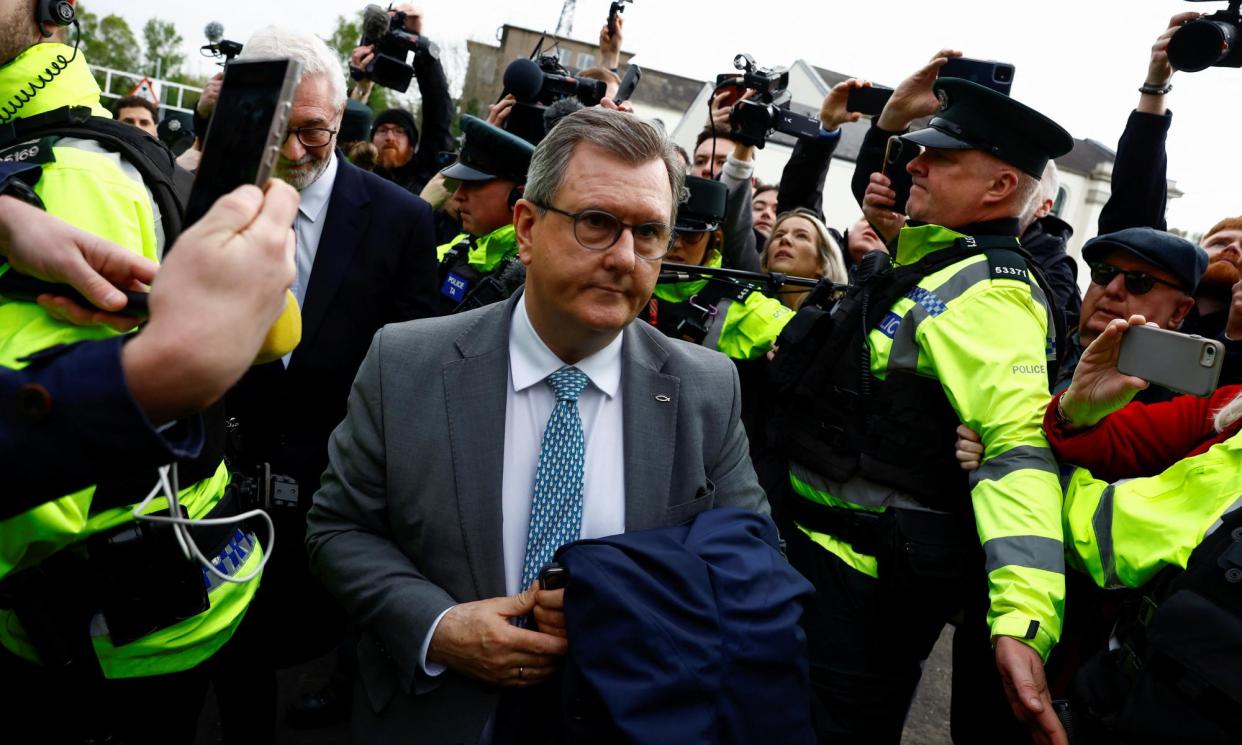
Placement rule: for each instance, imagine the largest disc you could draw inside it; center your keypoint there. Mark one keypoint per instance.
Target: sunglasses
(1137, 283)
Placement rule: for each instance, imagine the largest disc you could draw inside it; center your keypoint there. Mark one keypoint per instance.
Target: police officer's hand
(914, 97)
(969, 448)
(50, 249)
(832, 113)
(477, 639)
(550, 611)
(1022, 674)
(1233, 329)
(220, 289)
(1098, 388)
(877, 207)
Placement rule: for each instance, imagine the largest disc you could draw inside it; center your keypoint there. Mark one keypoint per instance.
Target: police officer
(480, 266)
(96, 607)
(730, 317)
(957, 332)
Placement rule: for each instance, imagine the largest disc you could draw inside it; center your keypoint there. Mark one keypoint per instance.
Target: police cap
(1177, 256)
(972, 117)
(489, 152)
(702, 207)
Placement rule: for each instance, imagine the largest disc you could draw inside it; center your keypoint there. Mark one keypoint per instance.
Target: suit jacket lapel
(650, 400)
(475, 389)
(346, 222)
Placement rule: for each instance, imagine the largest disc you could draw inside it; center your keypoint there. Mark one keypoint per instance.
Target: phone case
(1180, 362)
(897, 155)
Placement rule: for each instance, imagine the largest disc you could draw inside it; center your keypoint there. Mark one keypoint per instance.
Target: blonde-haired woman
(800, 245)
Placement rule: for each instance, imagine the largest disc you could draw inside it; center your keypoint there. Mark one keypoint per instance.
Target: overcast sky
(1079, 62)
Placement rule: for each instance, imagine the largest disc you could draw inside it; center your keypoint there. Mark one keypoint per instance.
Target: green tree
(109, 42)
(163, 44)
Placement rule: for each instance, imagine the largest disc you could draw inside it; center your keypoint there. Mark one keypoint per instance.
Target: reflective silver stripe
(712, 340)
(858, 490)
(1102, 524)
(1031, 551)
(1221, 520)
(904, 353)
(1023, 457)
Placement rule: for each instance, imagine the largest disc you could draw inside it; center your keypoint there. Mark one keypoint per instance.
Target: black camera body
(393, 47)
(540, 83)
(755, 119)
(1211, 41)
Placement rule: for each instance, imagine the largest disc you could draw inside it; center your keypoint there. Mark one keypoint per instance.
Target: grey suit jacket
(407, 521)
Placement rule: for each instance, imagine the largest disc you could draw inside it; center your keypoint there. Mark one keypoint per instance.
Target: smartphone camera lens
(1004, 74)
(1208, 356)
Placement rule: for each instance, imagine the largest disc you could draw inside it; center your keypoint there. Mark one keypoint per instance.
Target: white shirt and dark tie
(308, 230)
(529, 403)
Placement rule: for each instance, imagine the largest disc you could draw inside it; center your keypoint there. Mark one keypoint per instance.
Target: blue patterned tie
(556, 510)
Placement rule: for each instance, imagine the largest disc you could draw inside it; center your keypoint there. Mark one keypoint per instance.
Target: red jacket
(1142, 439)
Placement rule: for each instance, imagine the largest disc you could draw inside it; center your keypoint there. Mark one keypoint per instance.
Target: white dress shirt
(308, 229)
(528, 406)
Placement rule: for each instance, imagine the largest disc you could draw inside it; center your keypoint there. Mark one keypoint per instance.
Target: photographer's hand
(211, 93)
(45, 247)
(625, 107)
(914, 97)
(610, 44)
(413, 17)
(1098, 387)
(722, 110)
(498, 112)
(832, 113)
(878, 207)
(1233, 329)
(1159, 71)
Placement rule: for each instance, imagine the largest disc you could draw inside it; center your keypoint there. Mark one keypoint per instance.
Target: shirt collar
(530, 360)
(315, 197)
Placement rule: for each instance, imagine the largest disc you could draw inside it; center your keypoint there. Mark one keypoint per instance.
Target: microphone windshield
(374, 22)
(558, 111)
(214, 32)
(523, 79)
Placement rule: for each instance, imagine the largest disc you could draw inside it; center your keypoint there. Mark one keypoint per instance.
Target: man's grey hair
(276, 42)
(627, 137)
(1050, 182)
(1028, 195)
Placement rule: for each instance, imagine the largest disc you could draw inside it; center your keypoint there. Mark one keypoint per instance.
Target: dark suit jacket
(375, 264)
(408, 520)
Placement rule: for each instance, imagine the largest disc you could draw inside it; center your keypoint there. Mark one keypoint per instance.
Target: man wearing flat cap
(895, 537)
(480, 266)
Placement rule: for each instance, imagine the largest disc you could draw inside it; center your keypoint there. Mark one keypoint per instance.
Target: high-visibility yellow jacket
(985, 339)
(745, 329)
(90, 188)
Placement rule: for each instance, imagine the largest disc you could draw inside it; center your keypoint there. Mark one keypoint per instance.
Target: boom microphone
(374, 23)
(214, 32)
(558, 111)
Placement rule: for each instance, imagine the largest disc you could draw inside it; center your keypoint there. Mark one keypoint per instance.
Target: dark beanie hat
(402, 119)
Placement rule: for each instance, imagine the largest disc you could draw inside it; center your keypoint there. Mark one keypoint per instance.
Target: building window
(562, 56)
(1059, 204)
(585, 60)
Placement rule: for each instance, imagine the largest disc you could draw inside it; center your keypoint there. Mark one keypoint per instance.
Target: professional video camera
(217, 45)
(756, 118)
(540, 83)
(1210, 41)
(394, 45)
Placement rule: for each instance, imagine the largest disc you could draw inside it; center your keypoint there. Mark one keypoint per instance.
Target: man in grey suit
(476, 444)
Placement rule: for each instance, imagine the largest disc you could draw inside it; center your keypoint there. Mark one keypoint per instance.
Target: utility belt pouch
(923, 555)
(54, 604)
(146, 583)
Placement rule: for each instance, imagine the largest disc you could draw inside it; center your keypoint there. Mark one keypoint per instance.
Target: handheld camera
(756, 118)
(1210, 41)
(394, 49)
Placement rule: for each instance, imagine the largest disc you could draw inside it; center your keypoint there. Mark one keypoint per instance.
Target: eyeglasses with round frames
(1137, 282)
(310, 136)
(597, 230)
